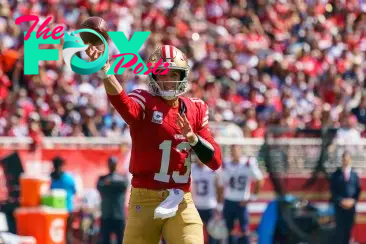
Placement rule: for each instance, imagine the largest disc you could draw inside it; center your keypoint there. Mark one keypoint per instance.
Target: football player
(206, 193)
(164, 126)
(235, 178)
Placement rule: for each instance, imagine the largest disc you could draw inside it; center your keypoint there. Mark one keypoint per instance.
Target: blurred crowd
(257, 63)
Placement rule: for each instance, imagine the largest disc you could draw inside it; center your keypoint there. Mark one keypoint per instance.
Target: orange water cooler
(46, 225)
(31, 190)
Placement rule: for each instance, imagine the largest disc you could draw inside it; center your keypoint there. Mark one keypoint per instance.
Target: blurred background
(257, 63)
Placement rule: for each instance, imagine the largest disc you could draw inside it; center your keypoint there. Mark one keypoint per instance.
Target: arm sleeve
(358, 189)
(255, 172)
(100, 185)
(119, 183)
(71, 183)
(131, 107)
(204, 132)
(336, 198)
(102, 188)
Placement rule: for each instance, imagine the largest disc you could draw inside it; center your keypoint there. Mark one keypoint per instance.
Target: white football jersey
(236, 178)
(204, 187)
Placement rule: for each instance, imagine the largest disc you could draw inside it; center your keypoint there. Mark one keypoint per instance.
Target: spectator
(268, 55)
(360, 111)
(348, 132)
(112, 188)
(345, 189)
(60, 179)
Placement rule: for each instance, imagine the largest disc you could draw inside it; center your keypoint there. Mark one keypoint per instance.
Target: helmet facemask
(169, 90)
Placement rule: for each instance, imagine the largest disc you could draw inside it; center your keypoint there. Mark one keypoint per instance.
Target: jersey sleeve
(130, 106)
(255, 172)
(204, 132)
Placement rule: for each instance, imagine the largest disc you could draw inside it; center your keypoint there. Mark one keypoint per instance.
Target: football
(99, 25)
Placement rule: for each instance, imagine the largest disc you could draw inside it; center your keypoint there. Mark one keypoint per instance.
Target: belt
(150, 192)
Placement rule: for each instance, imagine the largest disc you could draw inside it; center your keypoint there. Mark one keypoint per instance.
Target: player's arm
(219, 183)
(219, 190)
(100, 184)
(357, 194)
(257, 175)
(130, 108)
(201, 140)
(337, 198)
(258, 186)
(205, 146)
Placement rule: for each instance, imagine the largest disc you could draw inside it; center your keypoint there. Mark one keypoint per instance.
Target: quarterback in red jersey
(165, 127)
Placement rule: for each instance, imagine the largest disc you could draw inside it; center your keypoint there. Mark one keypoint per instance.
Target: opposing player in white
(205, 193)
(235, 178)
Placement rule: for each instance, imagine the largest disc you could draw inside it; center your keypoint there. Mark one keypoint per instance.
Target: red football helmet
(177, 61)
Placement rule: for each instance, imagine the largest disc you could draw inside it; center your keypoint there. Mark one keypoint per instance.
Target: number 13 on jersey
(163, 176)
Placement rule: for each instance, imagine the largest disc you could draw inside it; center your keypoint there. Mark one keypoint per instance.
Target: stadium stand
(256, 63)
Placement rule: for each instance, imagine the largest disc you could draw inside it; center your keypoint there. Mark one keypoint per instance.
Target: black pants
(112, 226)
(344, 223)
(69, 231)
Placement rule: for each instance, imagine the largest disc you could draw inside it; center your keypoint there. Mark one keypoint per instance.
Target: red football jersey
(160, 153)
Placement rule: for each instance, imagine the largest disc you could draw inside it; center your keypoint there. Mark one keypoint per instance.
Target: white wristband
(104, 70)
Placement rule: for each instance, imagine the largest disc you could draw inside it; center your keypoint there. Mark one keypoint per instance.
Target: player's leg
(118, 228)
(186, 226)
(244, 224)
(206, 215)
(350, 222)
(105, 232)
(344, 223)
(141, 227)
(230, 214)
(339, 232)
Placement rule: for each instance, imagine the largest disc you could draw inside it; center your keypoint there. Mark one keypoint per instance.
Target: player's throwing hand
(93, 53)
